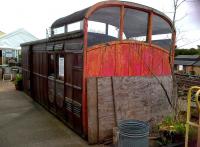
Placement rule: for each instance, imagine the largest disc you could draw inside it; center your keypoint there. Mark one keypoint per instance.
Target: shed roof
(182, 62)
(14, 39)
(77, 16)
(187, 57)
(197, 63)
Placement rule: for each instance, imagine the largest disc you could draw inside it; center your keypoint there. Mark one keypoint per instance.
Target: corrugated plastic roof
(14, 39)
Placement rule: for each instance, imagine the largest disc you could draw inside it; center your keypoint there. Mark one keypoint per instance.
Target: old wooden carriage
(102, 64)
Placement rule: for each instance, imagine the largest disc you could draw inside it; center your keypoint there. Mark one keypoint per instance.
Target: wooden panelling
(112, 99)
(60, 99)
(105, 108)
(92, 111)
(51, 93)
(59, 94)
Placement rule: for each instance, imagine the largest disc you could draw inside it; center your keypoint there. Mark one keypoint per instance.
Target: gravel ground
(24, 123)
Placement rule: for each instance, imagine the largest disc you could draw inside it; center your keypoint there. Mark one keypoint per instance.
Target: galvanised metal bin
(133, 133)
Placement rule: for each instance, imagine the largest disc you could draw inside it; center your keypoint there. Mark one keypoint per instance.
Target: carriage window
(59, 30)
(51, 71)
(161, 32)
(60, 67)
(75, 26)
(103, 25)
(99, 27)
(135, 25)
(113, 31)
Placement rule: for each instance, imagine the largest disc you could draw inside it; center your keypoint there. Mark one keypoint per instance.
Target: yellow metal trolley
(188, 122)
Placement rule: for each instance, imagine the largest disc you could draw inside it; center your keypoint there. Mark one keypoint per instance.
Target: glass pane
(135, 24)
(113, 31)
(75, 26)
(60, 67)
(104, 25)
(161, 32)
(59, 30)
(99, 27)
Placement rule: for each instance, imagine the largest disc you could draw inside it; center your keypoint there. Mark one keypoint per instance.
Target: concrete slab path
(24, 123)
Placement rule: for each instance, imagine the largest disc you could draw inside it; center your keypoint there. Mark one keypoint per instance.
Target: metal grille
(77, 109)
(68, 104)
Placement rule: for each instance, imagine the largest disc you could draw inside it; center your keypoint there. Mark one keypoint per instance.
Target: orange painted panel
(136, 63)
(146, 61)
(122, 59)
(166, 64)
(127, 59)
(108, 61)
(94, 62)
(157, 62)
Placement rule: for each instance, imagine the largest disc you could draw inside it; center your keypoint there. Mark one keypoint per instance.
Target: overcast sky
(37, 15)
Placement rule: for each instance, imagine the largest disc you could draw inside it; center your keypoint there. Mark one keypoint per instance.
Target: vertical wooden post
(121, 23)
(84, 93)
(92, 99)
(149, 28)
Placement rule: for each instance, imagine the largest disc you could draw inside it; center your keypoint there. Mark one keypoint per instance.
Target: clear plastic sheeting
(76, 26)
(135, 24)
(99, 27)
(59, 30)
(103, 25)
(161, 32)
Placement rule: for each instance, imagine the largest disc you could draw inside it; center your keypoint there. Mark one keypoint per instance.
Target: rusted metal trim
(121, 23)
(149, 28)
(128, 5)
(126, 42)
(84, 98)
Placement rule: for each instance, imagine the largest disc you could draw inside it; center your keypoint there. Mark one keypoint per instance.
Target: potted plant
(18, 82)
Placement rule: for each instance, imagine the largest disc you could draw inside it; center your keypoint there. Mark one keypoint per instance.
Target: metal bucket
(133, 133)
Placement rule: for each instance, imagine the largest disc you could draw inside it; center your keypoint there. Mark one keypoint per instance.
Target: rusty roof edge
(85, 13)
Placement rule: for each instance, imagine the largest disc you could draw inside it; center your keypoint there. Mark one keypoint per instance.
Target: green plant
(18, 78)
(170, 131)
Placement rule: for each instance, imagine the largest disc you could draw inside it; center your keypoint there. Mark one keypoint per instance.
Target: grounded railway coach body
(103, 64)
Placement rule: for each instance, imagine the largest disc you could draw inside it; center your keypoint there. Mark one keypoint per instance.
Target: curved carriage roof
(80, 15)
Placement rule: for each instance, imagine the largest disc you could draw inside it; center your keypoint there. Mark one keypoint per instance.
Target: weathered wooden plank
(105, 108)
(145, 95)
(92, 111)
(139, 98)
